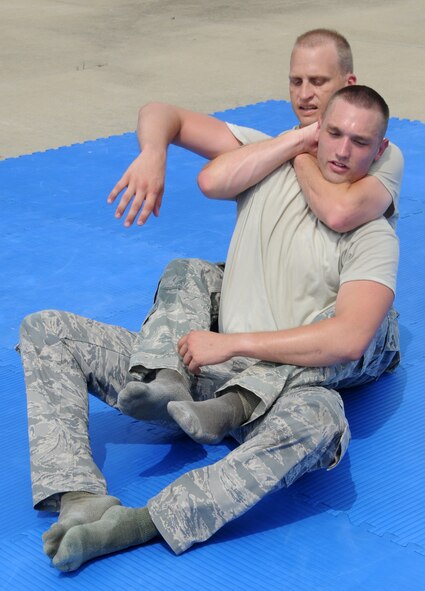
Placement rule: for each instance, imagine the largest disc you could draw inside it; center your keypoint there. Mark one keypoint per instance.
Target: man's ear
(319, 125)
(382, 148)
(350, 79)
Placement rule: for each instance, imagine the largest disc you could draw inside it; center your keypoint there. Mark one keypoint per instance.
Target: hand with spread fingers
(142, 188)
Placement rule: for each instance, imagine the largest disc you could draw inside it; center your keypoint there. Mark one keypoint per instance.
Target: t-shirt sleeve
(389, 170)
(372, 254)
(246, 135)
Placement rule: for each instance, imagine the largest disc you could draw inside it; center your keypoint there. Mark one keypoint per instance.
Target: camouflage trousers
(298, 426)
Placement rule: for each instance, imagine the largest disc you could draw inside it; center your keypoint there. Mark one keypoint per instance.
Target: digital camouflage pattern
(298, 426)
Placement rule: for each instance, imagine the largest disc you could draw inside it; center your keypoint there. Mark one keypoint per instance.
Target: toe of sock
(52, 538)
(69, 555)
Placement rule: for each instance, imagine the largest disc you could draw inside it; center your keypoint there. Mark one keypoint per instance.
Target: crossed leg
(302, 432)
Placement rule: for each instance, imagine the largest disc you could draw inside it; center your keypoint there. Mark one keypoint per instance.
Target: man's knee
(323, 410)
(181, 272)
(321, 406)
(38, 326)
(315, 420)
(183, 265)
(305, 430)
(176, 272)
(35, 321)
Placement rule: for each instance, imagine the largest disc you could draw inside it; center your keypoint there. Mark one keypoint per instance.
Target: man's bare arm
(342, 207)
(360, 309)
(160, 125)
(233, 172)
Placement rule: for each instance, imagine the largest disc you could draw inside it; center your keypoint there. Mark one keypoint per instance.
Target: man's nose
(306, 91)
(343, 149)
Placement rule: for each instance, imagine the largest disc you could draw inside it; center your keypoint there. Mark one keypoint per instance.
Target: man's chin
(334, 177)
(307, 117)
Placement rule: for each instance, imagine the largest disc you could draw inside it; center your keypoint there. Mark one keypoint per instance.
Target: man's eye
(318, 82)
(296, 82)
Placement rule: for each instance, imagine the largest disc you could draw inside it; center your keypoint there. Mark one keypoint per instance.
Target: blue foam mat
(361, 526)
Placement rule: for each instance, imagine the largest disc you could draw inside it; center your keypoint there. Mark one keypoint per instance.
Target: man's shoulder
(391, 162)
(247, 135)
(389, 170)
(379, 227)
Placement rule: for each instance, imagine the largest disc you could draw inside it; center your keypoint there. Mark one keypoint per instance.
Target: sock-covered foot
(76, 508)
(210, 421)
(148, 401)
(119, 528)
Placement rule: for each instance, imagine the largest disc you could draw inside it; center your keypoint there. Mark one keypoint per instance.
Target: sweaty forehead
(309, 62)
(353, 119)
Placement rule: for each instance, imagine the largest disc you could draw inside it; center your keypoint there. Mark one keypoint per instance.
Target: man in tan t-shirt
(304, 427)
(285, 269)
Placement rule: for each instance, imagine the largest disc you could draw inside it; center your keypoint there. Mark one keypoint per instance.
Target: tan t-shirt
(284, 266)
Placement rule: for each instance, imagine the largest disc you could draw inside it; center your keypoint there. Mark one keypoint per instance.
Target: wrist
(153, 149)
(293, 141)
(304, 141)
(235, 344)
(310, 139)
(244, 344)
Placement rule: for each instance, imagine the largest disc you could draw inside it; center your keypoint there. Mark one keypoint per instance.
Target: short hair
(365, 97)
(317, 37)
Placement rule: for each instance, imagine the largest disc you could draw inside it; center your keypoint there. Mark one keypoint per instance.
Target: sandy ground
(73, 70)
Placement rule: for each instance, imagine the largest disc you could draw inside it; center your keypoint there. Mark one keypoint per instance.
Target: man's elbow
(151, 106)
(155, 105)
(353, 354)
(208, 183)
(339, 221)
(355, 347)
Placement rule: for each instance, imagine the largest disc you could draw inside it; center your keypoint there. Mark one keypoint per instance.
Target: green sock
(119, 528)
(211, 420)
(148, 400)
(76, 508)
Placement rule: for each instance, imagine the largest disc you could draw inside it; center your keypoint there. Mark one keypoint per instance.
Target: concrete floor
(73, 70)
